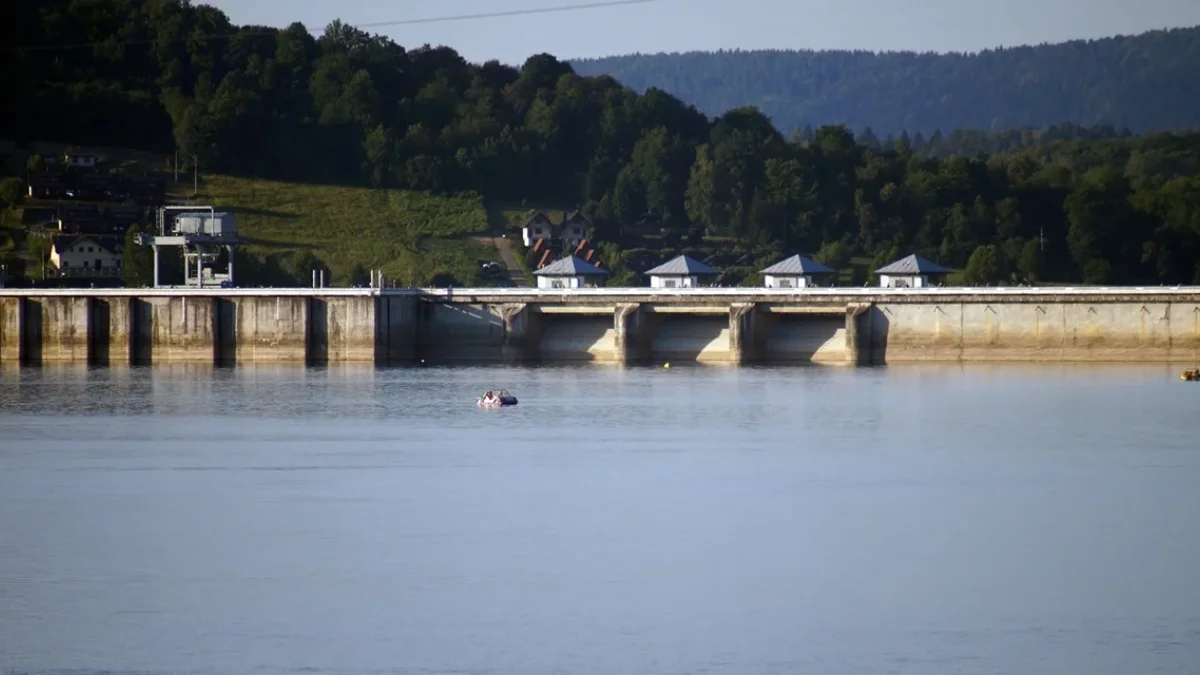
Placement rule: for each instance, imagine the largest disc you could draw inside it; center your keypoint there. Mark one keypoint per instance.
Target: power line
(512, 12)
(376, 24)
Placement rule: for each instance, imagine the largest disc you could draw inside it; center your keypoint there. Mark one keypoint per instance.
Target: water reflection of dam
(829, 325)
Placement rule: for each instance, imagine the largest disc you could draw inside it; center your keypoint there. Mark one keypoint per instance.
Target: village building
(682, 272)
(797, 271)
(569, 233)
(81, 160)
(87, 255)
(570, 272)
(913, 271)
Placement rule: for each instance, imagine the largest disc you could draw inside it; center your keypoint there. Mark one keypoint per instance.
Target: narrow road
(508, 258)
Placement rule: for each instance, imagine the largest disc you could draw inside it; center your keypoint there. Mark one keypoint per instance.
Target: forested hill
(1145, 82)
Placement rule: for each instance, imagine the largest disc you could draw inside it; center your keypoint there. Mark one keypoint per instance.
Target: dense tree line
(1067, 202)
(1145, 82)
(1125, 210)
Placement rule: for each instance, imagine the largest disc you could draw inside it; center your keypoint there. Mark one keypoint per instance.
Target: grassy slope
(411, 236)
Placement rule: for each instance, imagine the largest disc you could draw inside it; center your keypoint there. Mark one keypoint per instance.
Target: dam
(836, 326)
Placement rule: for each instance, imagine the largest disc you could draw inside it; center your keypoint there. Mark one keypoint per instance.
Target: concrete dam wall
(825, 326)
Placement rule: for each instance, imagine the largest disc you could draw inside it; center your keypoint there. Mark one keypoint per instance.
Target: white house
(537, 226)
(912, 272)
(681, 272)
(572, 230)
(570, 272)
(87, 255)
(797, 271)
(82, 161)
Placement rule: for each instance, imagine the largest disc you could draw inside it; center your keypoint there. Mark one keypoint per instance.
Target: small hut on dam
(912, 272)
(798, 271)
(570, 272)
(682, 272)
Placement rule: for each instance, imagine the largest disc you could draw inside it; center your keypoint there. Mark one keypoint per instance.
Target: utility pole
(195, 176)
(177, 166)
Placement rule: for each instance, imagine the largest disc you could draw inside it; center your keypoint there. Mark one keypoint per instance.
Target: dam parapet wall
(847, 326)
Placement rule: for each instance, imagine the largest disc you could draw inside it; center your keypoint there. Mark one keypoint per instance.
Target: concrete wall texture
(983, 331)
(341, 325)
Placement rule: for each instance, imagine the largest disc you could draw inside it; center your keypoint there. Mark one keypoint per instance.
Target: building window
(557, 283)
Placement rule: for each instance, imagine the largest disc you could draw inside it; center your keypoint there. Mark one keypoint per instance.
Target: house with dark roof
(570, 272)
(87, 255)
(798, 271)
(913, 271)
(682, 272)
(569, 232)
(82, 160)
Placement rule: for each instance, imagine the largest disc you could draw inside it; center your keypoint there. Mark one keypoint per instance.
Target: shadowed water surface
(692, 520)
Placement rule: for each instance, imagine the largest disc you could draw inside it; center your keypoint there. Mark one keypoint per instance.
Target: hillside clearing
(411, 236)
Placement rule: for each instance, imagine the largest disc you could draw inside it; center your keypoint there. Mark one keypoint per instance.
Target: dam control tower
(207, 238)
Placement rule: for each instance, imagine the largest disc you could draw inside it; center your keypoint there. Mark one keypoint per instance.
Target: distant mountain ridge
(1146, 82)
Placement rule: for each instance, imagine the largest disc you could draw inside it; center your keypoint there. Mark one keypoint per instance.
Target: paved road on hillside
(508, 258)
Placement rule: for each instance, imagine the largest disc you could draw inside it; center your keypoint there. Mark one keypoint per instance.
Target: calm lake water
(929, 519)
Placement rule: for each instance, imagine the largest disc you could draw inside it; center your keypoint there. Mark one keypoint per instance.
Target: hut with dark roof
(681, 272)
(912, 272)
(570, 272)
(797, 271)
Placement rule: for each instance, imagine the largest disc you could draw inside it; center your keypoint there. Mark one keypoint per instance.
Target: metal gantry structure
(202, 233)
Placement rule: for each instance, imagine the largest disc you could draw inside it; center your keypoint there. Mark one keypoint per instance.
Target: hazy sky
(682, 25)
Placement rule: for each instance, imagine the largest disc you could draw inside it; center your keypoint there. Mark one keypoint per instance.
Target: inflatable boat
(502, 399)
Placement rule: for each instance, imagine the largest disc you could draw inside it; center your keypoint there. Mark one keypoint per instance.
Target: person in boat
(488, 397)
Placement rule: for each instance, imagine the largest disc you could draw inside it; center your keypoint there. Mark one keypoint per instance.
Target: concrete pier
(615, 325)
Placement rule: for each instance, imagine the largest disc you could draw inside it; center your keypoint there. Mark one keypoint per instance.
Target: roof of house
(913, 264)
(570, 216)
(64, 242)
(567, 218)
(682, 266)
(570, 267)
(797, 264)
(536, 215)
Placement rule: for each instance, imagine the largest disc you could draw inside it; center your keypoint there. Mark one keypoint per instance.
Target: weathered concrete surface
(1064, 332)
(54, 329)
(396, 329)
(579, 337)
(181, 329)
(619, 325)
(349, 329)
(270, 330)
(464, 332)
(702, 338)
(629, 342)
(817, 338)
(111, 331)
(10, 329)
